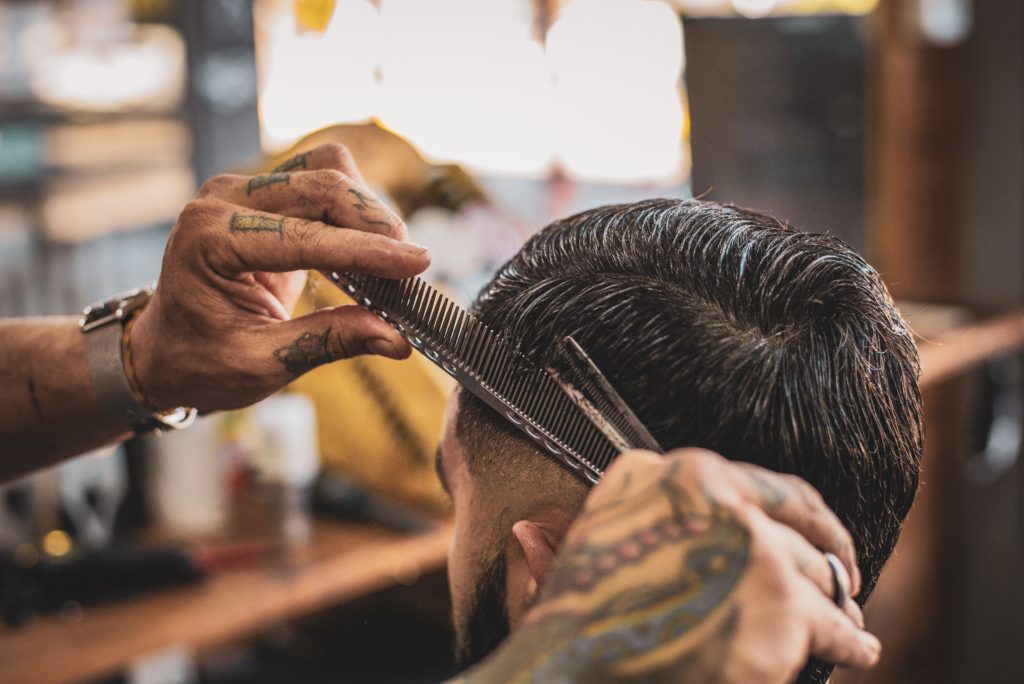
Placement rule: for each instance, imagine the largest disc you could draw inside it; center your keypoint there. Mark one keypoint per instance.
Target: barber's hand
(218, 333)
(691, 568)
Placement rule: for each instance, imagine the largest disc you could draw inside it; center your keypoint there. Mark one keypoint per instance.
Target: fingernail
(870, 644)
(413, 248)
(384, 347)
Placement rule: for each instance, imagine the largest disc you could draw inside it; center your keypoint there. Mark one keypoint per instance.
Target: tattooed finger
(256, 223)
(293, 163)
(236, 240)
(333, 334)
(327, 156)
(306, 352)
(325, 195)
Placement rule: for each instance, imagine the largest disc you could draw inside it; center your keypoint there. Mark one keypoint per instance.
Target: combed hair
(724, 329)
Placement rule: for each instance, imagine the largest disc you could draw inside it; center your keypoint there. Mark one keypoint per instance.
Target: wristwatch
(103, 325)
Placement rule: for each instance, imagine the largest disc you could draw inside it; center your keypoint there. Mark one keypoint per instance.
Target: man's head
(722, 329)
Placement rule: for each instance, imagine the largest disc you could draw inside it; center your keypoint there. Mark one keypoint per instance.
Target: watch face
(116, 308)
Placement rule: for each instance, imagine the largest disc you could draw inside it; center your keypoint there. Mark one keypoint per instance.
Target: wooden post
(915, 182)
(915, 236)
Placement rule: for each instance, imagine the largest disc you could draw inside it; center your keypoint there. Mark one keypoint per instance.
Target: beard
(486, 623)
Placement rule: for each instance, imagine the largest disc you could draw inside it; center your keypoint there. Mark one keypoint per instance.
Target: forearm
(48, 409)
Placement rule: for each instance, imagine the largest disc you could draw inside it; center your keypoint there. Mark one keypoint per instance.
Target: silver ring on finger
(840, 594)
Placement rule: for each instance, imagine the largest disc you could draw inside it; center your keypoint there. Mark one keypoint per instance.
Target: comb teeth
(490, 367)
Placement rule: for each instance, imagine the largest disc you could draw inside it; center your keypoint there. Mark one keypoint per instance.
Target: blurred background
(304, 539)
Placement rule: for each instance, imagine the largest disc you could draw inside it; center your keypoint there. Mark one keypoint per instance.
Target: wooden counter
(342, 562)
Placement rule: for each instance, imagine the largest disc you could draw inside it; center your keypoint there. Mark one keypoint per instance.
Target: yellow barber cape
(379, 420)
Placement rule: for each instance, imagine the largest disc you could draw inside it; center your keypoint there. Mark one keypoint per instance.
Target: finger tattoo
(255, 223)
(308, 351)
(296, 162)
(257, 182)
(364, 204)
(771, 495)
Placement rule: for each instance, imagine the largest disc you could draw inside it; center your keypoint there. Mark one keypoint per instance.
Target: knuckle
(197, 214)
(632, 459)
(394, 223)
(700, 455)
(706, 463)
(344, 157)
(217, 185)
(795, 483)
(339, 157)
(309, 239)
(639, 456)
(751, 517)
(336, 151)
(327, 187)
(775, 566)
(342, 346)
(704, 469)
(331, 177)
(313, 247)
(807, 492)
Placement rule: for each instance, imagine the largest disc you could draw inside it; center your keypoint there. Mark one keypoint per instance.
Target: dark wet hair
(724, 329)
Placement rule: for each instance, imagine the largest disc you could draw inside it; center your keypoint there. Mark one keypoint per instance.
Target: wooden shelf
(30, 110)
(342, 562)
(962, 349)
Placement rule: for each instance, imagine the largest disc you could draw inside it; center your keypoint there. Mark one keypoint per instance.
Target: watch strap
(105, 355)
(103, 325)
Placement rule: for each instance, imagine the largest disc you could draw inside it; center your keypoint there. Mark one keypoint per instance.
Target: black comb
(570, 410)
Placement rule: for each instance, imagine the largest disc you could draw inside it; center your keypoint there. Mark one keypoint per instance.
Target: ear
(539, 553)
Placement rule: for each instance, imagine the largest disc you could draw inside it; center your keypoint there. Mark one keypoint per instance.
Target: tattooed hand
(691, 568)
(218, 333)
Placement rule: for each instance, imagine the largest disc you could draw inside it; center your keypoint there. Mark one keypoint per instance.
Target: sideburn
(487, 623)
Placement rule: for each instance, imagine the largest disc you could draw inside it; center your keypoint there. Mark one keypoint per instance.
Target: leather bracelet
(129, 365)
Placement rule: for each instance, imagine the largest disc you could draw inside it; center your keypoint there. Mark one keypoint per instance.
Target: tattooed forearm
(255, 223)
(642, 593)
(685, 574)
(257, 182)
(307, 352)
(590, 564)
(296, 162)
(364, 204)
